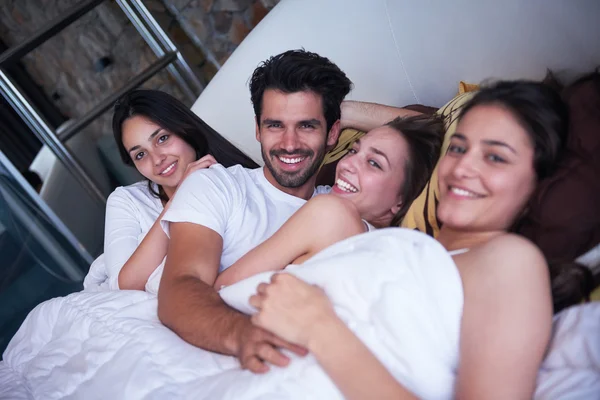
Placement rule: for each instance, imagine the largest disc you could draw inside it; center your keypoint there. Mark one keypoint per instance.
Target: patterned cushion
(422, 213)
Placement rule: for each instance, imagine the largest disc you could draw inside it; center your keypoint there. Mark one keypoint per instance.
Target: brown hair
(572, 283)
(424, 135)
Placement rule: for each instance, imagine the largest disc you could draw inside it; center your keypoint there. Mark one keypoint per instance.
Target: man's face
(293, 135)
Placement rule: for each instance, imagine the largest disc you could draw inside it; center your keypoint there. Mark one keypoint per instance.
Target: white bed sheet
(111, 345)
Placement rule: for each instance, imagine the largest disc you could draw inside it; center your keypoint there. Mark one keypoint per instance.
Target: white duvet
(398, 290)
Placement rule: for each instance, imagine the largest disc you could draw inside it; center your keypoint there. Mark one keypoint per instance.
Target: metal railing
(169, 58)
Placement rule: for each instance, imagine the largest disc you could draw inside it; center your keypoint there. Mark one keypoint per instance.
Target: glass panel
(40, 258)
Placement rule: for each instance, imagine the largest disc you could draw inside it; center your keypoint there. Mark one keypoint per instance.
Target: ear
(257, 133)
(396, 208)
(333, 135)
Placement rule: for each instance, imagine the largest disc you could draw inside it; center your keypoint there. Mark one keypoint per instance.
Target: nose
(465, 167)
(348, 162)
(289, 141)
(157, 158)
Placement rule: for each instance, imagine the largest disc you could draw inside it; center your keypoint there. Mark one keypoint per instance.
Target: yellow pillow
(347, 137)
(464, 87)
(422, 213)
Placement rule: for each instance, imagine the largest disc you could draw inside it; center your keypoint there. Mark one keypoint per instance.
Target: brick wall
(67, 66)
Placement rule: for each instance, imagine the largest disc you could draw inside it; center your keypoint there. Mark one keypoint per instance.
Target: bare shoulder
(514, 254)
(330, 206)
(509, 265)
(332, 218)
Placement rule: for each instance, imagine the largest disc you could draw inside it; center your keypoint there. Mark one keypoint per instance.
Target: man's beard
(297, 178)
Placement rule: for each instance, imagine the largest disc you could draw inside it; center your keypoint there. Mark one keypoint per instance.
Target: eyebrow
(152, 136)
(379, 152)
(312, 121)
(270, 121)
(488, 142)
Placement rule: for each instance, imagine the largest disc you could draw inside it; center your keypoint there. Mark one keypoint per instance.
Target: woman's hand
(202, 163)
(291, 308)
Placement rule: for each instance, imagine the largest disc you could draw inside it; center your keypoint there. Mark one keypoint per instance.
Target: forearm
(351, 366)
(366, 116)
(196, 312)
(145, 259)
(244, 269)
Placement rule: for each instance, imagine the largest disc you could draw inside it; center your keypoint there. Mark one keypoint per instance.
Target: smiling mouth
(168, 169)
(464, 193)
(291, 160)
(345, 186)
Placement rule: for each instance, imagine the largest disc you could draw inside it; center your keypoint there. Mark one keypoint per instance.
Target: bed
(111, 344)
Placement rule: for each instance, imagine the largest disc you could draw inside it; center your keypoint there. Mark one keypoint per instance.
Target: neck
(304, 192)
(381, 222)
(453, 239)
(169, 191)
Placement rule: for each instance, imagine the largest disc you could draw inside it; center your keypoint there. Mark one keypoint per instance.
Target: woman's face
(158, 155)
(371, 175)
(487, 175)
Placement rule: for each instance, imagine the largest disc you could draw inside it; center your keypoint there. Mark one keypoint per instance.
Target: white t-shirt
(239, 204)
(130, 213)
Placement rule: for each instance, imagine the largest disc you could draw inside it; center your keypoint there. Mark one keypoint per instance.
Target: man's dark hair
(298, 71)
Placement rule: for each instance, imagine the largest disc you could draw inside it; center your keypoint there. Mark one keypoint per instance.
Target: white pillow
(571, 369)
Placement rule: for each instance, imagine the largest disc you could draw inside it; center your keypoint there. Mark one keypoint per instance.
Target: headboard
(408, 51)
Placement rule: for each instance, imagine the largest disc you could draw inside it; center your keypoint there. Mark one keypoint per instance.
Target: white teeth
(168, 169)
(291, 160)
(462, 192)
(345, 186)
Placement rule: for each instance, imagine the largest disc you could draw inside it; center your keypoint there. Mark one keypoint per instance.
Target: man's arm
(188, 304)
(366, 116)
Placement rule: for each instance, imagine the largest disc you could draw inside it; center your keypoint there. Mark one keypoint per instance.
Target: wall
(67, 65)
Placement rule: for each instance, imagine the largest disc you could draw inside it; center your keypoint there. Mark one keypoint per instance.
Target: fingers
(254, 364)
(268, 353)
(255, 301)
(279, 342)
(208, 158)
(261, 288)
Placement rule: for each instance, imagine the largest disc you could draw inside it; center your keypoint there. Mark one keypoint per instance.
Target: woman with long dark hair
(165, 141)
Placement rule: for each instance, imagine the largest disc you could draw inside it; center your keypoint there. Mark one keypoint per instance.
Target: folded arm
(302, 314)
(189, 305)
(321, 222)
(130, 264)
(187, 302)
(366, 116)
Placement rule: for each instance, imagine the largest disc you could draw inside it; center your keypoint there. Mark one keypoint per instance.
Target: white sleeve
(207, 197)
(121, 232)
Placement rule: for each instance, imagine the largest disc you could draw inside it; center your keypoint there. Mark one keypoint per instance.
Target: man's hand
(258, 347)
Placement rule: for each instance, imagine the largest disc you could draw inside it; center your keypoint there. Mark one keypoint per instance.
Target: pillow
(564, 213)
(422, 213)
(348, 136)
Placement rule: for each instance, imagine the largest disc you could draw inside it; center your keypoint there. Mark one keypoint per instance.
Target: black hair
(173, 116)
(424, 135)
(300, 70)
(539, 109)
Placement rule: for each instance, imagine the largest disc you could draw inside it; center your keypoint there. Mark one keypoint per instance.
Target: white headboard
(408, 51)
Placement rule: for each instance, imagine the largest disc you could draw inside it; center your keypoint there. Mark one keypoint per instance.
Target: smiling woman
(375, 184)
(165, 141)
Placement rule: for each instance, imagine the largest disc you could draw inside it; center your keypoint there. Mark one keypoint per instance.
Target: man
(220, 214)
